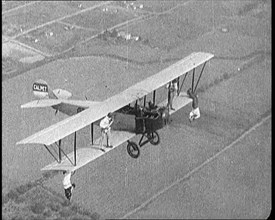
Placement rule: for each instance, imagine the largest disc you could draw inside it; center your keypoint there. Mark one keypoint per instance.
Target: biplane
(147, 120)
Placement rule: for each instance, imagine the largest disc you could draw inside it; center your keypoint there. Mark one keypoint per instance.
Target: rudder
(42, 90)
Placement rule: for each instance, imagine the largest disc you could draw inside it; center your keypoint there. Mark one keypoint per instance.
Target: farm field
(217, 167)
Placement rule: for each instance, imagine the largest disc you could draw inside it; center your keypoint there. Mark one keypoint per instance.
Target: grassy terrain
(8, 5)
(35, 201)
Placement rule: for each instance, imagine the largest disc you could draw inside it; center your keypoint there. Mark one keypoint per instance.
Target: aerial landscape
(218, 166)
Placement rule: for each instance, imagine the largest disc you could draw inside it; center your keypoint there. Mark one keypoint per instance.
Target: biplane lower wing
(90, 153)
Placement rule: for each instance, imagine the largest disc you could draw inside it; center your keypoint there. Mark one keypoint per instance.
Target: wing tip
(24, 141)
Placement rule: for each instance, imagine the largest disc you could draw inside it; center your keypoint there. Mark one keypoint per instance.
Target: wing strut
(59, 147)
(75, 148)
(51, 153)
(154, 97)
(193, 77)
(58, 159)
(200, 76)
(92, 133)
(182, 82)
(178, 82)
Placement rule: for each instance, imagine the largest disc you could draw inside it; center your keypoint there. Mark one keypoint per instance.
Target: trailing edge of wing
(74, 123)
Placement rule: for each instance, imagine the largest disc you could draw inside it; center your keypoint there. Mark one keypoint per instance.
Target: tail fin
(42, 91)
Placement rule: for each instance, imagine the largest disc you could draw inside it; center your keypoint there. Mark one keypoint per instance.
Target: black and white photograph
(146, 109)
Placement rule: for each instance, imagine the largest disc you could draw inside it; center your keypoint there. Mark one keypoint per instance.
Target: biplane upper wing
(74, 123)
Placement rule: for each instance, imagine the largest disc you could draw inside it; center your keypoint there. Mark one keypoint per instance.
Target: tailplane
(57, 99)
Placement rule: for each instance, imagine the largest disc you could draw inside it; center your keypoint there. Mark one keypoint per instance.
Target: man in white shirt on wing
(105, 126)
(172, 92)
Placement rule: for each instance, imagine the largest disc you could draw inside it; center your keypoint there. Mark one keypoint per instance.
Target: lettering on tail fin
(40, 89)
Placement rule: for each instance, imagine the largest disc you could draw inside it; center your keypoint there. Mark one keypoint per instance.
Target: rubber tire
(156, 136)
(132, 145)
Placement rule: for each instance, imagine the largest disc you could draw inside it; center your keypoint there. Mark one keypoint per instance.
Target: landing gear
(133, 149)
(154, 138)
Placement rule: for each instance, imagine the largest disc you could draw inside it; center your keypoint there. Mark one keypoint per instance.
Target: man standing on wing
(105, 126)
(172, 92)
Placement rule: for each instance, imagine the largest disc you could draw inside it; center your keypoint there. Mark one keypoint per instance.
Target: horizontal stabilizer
(41, 103)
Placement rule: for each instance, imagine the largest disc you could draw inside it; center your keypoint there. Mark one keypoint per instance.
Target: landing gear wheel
(154, 138)
(133, 149)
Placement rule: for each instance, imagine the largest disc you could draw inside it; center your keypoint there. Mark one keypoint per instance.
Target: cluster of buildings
(119, 35)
